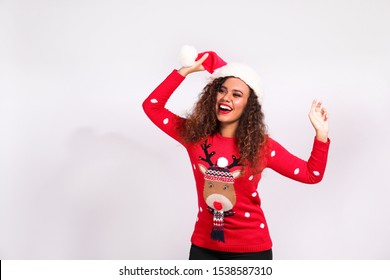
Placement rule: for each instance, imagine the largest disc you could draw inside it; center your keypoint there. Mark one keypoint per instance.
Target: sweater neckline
(219, 136)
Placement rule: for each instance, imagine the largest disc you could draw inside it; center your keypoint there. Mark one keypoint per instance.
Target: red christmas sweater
(230, 217)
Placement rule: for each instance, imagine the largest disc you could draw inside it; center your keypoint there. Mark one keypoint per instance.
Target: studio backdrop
(84, 174)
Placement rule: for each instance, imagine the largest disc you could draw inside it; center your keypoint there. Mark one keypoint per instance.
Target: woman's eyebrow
(234, 90)
(237, 90)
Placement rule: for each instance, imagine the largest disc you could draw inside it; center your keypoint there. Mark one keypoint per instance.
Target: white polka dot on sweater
(165, 121)
(194, 166)
(254, 194)
(200, 209)
(154, 100)
(262, 225)
(296, 171)
(316, 173)
(250, 178)
(247, 214)
(273, 153)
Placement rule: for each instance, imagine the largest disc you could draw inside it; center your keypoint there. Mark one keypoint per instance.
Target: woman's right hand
(184, 71)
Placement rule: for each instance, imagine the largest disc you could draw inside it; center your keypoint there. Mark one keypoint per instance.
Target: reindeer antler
(208, 155)
(236, 162)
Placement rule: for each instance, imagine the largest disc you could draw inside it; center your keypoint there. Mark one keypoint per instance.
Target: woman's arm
(309, 172)
(312, 170)
(154, 104)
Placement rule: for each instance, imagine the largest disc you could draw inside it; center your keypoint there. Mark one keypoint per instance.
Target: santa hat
(218, 68)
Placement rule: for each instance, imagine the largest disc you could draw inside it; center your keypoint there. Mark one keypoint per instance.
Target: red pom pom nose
(217, 205)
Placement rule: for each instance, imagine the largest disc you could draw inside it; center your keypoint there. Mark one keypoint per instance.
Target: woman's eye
(237, 95)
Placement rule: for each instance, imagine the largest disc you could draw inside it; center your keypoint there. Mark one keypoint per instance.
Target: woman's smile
(224, 108)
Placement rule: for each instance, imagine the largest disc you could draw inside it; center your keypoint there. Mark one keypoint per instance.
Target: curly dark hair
(251, 131)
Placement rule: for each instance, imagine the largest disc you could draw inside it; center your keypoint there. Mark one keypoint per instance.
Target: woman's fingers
(198, 64)
(324, 113)
(184, 71)
(316, 105)
(203, 58)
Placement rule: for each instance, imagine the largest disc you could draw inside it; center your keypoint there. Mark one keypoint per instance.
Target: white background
(85, 175)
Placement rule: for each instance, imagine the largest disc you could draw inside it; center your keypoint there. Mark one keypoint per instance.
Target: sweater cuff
(177, 76)
(321, 145)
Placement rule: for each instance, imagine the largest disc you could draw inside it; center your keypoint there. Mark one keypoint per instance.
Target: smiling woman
(226, 131)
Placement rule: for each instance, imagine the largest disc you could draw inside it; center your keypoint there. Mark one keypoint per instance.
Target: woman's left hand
(319, 118)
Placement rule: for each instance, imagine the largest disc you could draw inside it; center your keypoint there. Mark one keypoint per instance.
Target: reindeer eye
(225, 187)
(210, 185)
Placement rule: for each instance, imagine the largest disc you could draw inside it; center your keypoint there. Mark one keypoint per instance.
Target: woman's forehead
(233, 83)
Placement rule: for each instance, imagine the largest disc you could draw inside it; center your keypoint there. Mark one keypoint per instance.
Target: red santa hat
(218, 68)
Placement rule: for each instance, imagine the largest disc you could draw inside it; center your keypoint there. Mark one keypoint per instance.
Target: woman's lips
(224, 109)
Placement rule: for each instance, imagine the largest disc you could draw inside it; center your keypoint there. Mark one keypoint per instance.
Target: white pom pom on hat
(218, 68)
(188, 55)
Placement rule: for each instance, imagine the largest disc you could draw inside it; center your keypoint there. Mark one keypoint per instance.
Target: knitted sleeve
(154, 105)
(309, 172)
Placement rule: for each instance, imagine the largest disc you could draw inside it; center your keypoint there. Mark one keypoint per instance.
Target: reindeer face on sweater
(218, 191)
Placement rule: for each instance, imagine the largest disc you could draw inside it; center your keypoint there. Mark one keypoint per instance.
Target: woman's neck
(228, 130)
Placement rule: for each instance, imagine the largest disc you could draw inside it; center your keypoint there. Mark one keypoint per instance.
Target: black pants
(198, 253)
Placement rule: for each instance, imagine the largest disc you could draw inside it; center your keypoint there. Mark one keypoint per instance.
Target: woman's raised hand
(184, 71)
(319, 118)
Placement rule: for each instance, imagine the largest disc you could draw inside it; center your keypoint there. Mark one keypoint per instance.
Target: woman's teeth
(225, 108)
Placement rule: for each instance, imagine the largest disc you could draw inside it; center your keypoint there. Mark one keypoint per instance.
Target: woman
(228, 146)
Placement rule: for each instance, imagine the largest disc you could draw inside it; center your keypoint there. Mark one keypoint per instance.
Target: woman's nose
(226, 97)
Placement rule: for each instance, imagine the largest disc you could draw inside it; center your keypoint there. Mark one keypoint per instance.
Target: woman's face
(232, 98)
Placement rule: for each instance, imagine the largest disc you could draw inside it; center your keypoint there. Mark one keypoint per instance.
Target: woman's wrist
(322, 136)
(183, 71)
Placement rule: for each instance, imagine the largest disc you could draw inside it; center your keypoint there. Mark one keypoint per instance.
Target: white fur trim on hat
(243, 72)
(187, 56)
(219, 68)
